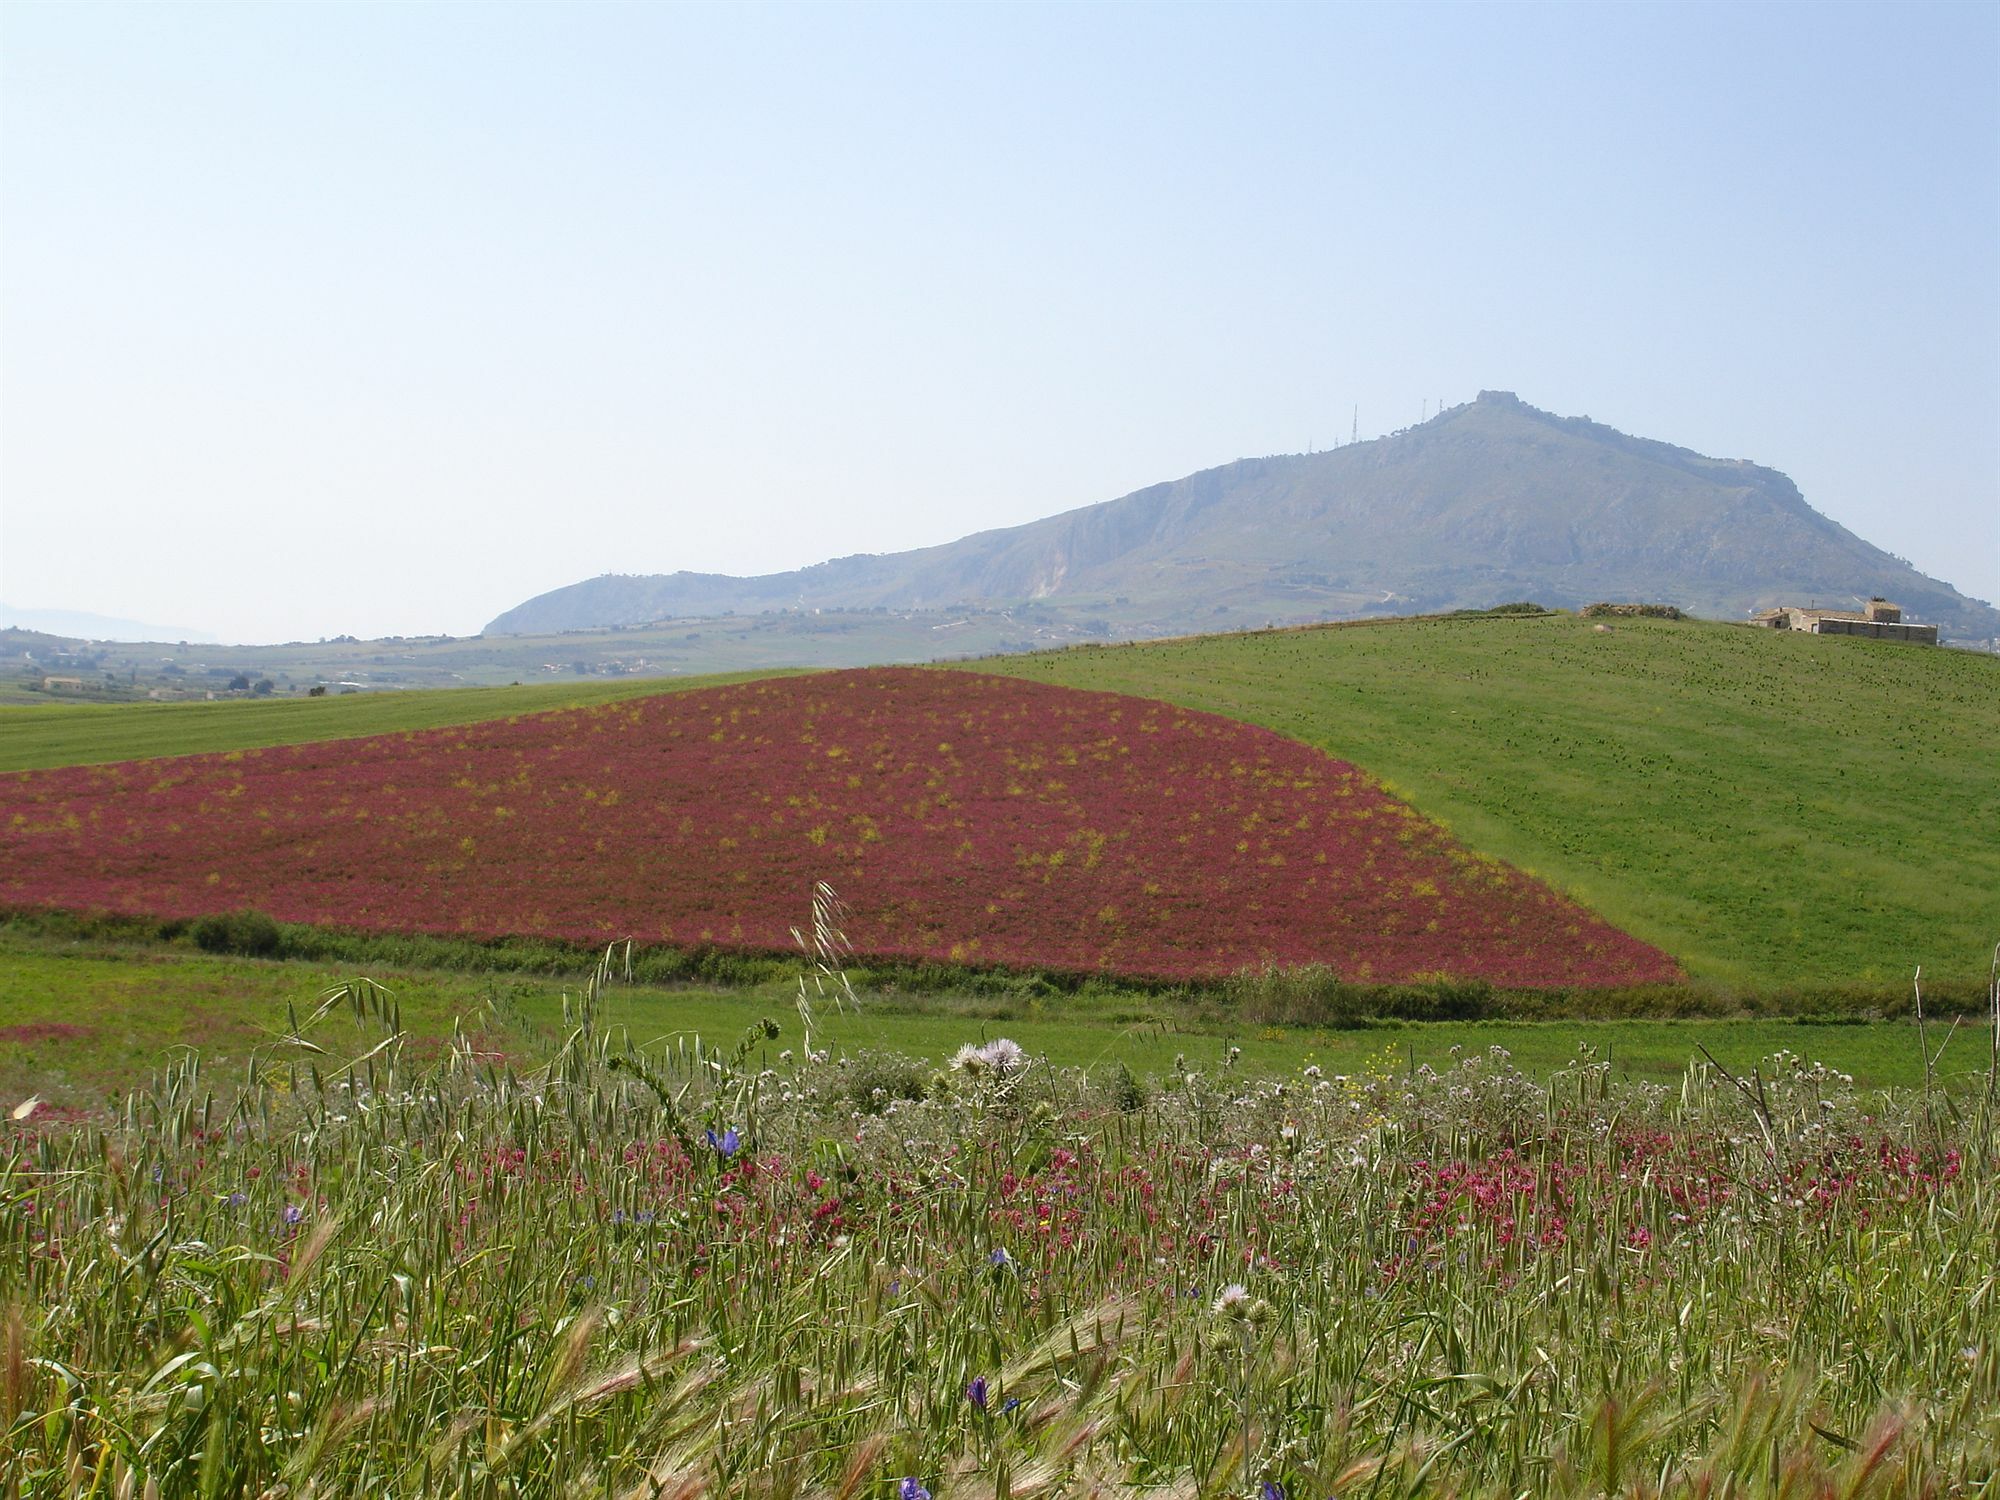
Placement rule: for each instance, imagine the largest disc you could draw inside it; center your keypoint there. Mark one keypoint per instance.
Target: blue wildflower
(1010, 1403)
(237, 1200)
(1271, 1490)
(909, 1489)
(726, 1143)
(976, 1392)
(293, 1213)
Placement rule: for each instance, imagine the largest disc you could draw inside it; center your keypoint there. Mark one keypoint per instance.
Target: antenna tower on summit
(1354, 434)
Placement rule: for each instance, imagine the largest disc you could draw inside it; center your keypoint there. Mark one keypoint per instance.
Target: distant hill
(81, 625)
(1488, 502)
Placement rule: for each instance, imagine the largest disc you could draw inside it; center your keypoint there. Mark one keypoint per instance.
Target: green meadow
(1773, 809)
(43, 735)
(84, 1020)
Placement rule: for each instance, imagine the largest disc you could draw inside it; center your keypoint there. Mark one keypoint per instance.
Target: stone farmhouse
(1880, 619)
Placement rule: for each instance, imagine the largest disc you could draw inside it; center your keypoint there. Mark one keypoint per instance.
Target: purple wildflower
(726, 1143)
(293, 1213)
(976, 1392)
(909, 1489)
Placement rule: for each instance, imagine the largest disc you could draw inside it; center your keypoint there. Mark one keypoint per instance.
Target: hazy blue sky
(349, 318)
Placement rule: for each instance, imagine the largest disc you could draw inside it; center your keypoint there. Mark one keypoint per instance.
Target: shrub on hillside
(1515, 607)
(1632, 611)
(250, 933)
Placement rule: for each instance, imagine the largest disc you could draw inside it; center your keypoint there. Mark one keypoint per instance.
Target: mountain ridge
(1488, 501)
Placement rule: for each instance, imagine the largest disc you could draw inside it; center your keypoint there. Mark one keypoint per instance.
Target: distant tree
(265, 687)
(317, 690)
(239, 683)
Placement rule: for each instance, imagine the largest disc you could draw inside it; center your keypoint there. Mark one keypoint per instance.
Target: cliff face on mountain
(1487, 502)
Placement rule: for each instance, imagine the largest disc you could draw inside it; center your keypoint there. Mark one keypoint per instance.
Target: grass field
(36, 737)
(84, 1020)
(1768, 807)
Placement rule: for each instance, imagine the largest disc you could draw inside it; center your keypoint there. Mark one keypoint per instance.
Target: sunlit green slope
(1769, 807)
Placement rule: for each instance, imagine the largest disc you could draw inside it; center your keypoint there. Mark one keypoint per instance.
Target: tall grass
(737, 1269)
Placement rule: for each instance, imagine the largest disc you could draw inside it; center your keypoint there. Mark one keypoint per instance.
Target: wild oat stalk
(824, 978)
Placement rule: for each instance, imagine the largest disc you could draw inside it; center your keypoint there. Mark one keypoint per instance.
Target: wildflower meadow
(756, 1269)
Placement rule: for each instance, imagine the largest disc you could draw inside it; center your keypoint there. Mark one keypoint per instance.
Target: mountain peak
(1492, 500)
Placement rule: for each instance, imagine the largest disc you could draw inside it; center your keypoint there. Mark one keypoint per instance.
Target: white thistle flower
(1005, 1056)
(1001, 1057)
(1234, 1301)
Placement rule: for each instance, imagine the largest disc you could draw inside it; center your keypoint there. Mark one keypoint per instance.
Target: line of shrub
(1316, 996)
(1631, 612)
(1309, 996)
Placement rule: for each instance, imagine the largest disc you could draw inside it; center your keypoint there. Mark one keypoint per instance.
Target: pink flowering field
(968, 819)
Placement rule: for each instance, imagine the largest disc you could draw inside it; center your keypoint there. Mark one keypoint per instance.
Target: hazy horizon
(380, 320)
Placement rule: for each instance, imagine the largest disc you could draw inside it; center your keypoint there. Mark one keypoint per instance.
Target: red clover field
(967, 819)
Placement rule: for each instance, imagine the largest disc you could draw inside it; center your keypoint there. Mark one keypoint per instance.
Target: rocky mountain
(1490, 501)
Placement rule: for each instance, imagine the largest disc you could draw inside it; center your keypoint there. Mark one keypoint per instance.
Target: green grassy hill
(76, 734)
(1772, 808)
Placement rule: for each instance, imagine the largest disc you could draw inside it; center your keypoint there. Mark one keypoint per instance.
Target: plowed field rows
(965, 818)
